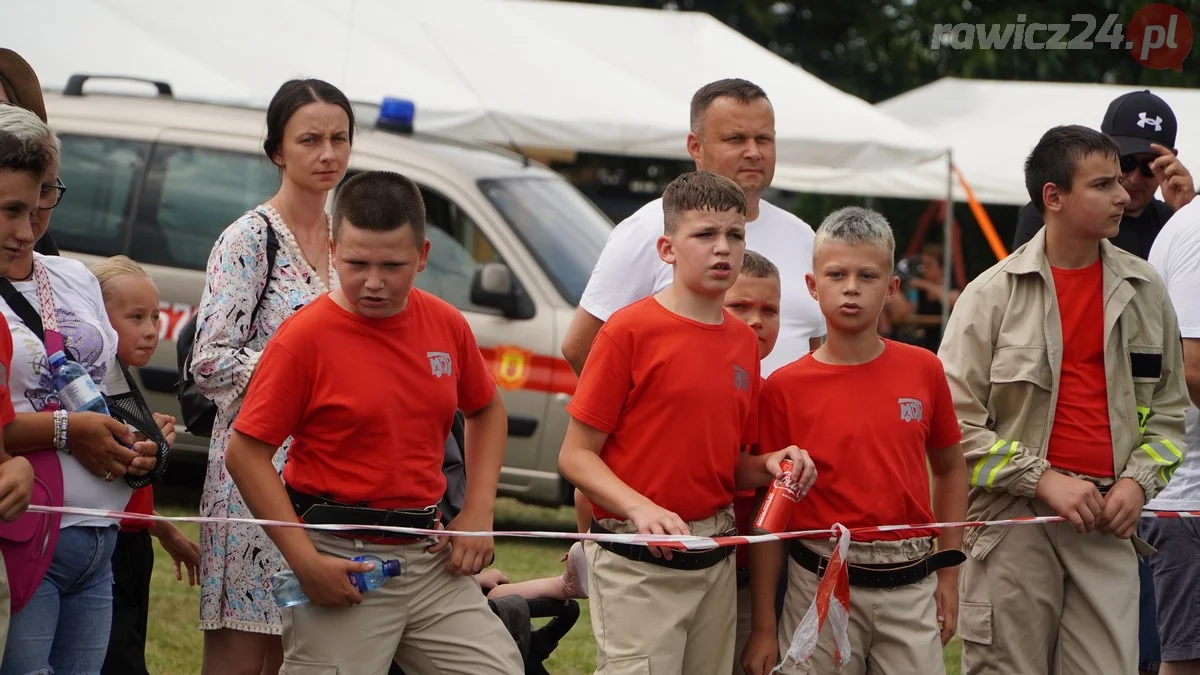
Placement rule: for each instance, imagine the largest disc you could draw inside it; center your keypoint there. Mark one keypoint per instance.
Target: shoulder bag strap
(44, 324)
(21, 306)
(272, 250)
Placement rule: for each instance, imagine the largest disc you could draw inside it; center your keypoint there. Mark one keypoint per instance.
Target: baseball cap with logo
(1137, 119)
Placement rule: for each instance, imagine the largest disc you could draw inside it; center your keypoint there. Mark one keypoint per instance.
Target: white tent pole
(948, 240)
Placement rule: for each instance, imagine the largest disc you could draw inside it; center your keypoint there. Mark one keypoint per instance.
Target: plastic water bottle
(286, 587)
(76, 390)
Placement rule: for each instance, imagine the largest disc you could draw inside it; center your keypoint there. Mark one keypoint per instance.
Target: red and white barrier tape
(685, 542)
(831, 602)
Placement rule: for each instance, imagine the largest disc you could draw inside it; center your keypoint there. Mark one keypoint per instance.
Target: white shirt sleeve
(628, 267)
(1178, 263)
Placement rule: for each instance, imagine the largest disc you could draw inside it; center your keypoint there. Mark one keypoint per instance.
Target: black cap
(1138, 119)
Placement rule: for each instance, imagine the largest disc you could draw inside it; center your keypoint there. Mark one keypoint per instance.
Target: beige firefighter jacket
(1002, 352)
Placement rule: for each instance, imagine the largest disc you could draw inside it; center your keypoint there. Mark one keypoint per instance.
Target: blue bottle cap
(391, 568)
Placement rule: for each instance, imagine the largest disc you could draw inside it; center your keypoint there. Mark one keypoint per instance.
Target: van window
(456, 249)
(102, 176)
(562, 229)
(193, 194)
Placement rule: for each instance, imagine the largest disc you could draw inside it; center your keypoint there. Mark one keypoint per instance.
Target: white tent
(554, 75)
(991, 126)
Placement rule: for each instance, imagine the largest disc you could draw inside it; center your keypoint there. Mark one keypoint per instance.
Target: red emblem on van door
(511, 367)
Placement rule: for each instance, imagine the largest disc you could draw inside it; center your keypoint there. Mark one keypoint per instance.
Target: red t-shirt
(141, 501)
(678, 400)
(7, 414)
(867, 428)
(744, 502)
(368, 402)
(1081, 439)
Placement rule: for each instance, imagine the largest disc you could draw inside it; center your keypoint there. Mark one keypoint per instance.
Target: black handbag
(198, 412)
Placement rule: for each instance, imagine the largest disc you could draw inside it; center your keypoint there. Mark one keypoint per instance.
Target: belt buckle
(822, 565)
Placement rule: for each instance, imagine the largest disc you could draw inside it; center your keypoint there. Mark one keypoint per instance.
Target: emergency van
(512, 243)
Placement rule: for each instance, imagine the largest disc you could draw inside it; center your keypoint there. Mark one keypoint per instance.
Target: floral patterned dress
(237, 561)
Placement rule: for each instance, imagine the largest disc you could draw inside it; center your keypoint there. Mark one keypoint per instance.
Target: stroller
(517, 613)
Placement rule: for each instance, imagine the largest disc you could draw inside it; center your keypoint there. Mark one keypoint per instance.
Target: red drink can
(777, 507)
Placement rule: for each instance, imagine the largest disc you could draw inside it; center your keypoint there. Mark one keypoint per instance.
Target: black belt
(315, 510)
(680, 560)
(885, 575)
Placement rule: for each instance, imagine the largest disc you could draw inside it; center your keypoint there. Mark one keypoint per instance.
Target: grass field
(174, 642)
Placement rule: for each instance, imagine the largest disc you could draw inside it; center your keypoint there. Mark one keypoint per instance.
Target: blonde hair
(855, 225)
(110, 269)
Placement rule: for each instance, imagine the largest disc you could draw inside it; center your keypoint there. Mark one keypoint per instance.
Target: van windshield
(564, 231)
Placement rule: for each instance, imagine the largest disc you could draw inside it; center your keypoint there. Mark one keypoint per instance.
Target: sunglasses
(1131, 162)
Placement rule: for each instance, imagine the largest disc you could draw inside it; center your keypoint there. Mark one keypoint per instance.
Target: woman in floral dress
(310, 126)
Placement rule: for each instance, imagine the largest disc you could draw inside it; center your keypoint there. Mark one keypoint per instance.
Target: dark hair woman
(310, 126)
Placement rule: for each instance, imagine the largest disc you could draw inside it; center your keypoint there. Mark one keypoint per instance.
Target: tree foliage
(876, 49)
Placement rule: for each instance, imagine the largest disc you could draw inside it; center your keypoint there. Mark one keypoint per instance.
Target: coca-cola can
(777, 507)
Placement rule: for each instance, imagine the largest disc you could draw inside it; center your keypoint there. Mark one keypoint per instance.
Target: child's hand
(325, 579)
(1122, 508)
(650, 518)
(946, 599)
(490, 578)
(1072, 498)
(804, 472)
(16, 487)
(468, 555)
(167, 424)
(184, 551)
(761, 653)
(146, 459)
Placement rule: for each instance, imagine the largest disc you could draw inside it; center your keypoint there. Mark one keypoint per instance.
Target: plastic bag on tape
(831, 603)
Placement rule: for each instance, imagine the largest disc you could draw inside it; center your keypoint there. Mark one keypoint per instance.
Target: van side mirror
(493, 285)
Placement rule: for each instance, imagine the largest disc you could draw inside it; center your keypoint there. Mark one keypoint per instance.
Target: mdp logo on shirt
(911, 410)
(741, 379)
(440, 364)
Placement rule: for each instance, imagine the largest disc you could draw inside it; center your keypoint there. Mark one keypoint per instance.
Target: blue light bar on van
(397, 114)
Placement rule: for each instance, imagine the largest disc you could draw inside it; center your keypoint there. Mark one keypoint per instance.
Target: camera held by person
(916, 312)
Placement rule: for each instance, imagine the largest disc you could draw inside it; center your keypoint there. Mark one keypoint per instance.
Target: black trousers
(133, 562)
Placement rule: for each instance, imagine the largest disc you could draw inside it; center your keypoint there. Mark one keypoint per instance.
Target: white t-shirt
(629, 269)
(1176, 257)
(86, 332)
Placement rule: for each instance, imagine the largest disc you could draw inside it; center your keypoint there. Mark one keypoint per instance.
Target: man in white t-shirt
(733, 135)
(1175, 255)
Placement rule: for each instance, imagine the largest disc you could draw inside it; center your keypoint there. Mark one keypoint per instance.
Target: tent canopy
(991, 126)
(547, 75)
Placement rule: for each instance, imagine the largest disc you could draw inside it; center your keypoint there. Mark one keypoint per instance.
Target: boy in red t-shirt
(754, 298)
(872, 413)
(666, 400)
(366, 381)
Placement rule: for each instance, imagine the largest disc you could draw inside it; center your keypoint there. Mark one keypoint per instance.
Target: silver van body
(512, 242)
